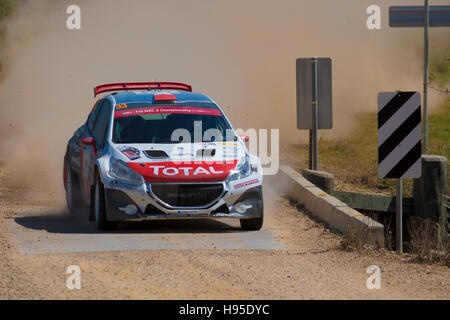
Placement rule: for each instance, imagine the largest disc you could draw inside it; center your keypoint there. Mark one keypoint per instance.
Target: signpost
(416, 16)
(399, 144)
(421, 16)
(314, 101)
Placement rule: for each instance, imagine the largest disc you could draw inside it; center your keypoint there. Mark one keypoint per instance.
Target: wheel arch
(92, 193)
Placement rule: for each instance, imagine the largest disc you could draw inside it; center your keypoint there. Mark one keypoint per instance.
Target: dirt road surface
(293, 257)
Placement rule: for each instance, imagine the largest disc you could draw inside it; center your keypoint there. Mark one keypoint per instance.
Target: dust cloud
(241, 53)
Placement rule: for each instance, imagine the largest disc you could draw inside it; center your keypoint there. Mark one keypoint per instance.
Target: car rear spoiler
(141, 86)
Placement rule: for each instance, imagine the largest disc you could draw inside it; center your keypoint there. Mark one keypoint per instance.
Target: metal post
(310, 164)
(315, 115)
(399, 217)
(425, 79)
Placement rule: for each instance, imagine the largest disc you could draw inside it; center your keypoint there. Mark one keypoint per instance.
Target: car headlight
(121, 171)
(243, 170)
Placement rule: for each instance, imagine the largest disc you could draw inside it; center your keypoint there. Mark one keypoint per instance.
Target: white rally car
(159, 151)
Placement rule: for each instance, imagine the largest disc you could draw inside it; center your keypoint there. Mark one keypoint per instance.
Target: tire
(73, 193)
(99, 207)
(253, 224)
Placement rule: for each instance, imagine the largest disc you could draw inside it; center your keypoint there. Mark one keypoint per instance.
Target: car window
(93, 115)
(101, 123)
(159, 124)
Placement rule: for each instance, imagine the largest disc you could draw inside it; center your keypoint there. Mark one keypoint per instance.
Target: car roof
(147, 96)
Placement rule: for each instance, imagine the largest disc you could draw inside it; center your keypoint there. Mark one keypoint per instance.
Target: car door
(75, 143)
(92, 146)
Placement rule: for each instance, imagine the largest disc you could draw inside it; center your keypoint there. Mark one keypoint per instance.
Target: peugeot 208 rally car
(159, 151)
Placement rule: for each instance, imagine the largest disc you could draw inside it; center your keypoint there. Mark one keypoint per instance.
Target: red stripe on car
(159, 110)
(196, 171)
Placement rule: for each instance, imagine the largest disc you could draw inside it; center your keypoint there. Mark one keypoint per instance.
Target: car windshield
(185, 123)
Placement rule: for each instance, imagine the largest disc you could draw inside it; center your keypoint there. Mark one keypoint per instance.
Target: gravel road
(293, 257)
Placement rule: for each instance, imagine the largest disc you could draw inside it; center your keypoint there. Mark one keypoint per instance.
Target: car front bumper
(239, 200)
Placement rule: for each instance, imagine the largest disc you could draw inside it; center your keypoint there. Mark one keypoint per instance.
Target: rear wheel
(73, 194)
(100, 208)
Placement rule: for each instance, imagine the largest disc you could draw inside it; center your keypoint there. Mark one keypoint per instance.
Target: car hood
(182, 162)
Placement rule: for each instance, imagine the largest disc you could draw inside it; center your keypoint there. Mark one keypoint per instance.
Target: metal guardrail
(378, 203)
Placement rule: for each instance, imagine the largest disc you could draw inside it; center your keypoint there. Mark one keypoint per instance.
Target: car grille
(187, 195)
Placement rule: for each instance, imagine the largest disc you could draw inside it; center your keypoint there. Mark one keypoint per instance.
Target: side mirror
(244, 137)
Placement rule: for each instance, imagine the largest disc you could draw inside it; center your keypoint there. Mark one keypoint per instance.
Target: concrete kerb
(328, 209)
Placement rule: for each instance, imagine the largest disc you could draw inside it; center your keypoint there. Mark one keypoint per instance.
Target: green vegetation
(353, 160)
(6, 7)
(440, 68)
(439, 132)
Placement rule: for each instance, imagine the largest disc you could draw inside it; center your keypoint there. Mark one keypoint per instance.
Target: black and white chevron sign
(399, 135)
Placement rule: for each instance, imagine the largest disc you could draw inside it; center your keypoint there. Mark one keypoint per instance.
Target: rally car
(156, 151)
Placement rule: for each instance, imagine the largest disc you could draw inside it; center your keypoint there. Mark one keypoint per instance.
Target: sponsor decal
(121, 106)
(186, 171)
(130, 152)
(230, 144)
(246, 184)
(160, 110)
(207, 144)
(197, 171)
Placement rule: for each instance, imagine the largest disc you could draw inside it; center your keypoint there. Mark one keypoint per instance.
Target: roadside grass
(439, 132)
(439, 67)
(353, 161)
(425, 241)
(6, 8)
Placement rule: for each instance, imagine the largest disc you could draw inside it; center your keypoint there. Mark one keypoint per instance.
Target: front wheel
(253, 224)
(100, 208)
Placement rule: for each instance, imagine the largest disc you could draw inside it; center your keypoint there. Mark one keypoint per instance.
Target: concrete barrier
(323, 180)
(428, 189)
(428, 196)
(329, 209)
